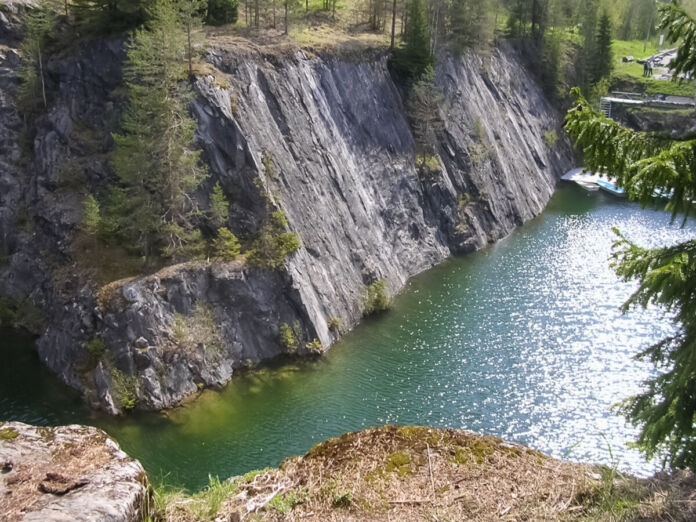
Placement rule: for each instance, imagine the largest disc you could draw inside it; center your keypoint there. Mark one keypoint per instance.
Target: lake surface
(523, 340)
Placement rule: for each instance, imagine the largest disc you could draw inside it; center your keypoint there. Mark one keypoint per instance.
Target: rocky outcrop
(325, 140)
(68, 473)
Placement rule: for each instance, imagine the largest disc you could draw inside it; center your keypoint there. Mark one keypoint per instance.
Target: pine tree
(91, 217)
(190, 13)
(225, 246)
(469, 23)
(219, 207)
(154, 157)
(665, 410)
(424, 115)
(414, 56)
(602, 61)
(222, 12)
(32, 88)
(585, 64)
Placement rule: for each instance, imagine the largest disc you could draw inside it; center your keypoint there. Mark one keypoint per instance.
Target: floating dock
(586, 180)
(593, 182)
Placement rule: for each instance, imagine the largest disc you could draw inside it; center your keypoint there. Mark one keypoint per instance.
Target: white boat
(610, 187)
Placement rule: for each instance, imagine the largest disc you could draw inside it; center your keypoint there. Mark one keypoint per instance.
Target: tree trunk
(43, 85)
(286, 17)
(391, 46)
(190, 51)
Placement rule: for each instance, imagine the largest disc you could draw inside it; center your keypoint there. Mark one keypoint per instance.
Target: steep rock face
(68, 473)
(325, 140)
(334, 150)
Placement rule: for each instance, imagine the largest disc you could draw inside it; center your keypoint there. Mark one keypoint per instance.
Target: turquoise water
(523, 340)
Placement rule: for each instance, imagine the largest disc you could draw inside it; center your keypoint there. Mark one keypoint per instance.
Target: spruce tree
(665, 410)
(602, 60)
(424, 115)
(414, 56)
(219, 207)
(31, 93)
(154, 158)
(469, 22)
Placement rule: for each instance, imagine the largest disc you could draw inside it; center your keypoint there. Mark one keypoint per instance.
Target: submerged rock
(68, 473)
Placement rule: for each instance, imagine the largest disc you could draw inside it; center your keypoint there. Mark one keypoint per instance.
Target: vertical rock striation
(327, 141)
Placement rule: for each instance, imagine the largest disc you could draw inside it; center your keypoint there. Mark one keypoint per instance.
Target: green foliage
(550, 138)
(31, 92)
(226, 246)
(125, 388)
(681, 27)
(423, 105)
(273, 244)
(414, 57)
(219, 207)
(22, 313)
(289, 338)
(107, 16)
(376, 299)
(154, 159)
(95, 351)
(175, 504)
(398, 462)
(314, 346)
(642, 163)
(268, 164)
(470, 23)
(179, 329)
(287, 501)
(221, 12)
(91, 217)
(603, 61)
(342, 500)
(334, 324)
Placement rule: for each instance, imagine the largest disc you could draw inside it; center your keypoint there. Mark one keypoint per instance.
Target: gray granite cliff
(326, 140)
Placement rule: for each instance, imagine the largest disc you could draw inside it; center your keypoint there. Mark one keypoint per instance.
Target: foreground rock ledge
(417, 473)
(67, 473)
(388, 473)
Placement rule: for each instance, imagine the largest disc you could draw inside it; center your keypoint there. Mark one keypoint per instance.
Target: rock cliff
(326, 140)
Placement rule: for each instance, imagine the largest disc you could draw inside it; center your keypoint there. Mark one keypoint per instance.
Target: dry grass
(416, 473)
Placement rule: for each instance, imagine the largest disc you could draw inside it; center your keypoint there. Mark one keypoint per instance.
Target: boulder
(68, 473)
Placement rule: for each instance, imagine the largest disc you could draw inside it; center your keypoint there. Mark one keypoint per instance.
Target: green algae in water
(523, 340)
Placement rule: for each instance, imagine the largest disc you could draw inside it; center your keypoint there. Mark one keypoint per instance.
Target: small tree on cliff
(423, 105)
(31, 93)
(154, 159)
(665, 411)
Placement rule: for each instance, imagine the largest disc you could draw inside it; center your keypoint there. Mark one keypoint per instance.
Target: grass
(634, 48)
(628, 77)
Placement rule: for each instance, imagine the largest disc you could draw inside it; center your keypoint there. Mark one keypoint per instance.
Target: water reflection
(524, 340)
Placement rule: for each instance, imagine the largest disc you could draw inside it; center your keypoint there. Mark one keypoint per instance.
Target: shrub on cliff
(376, 299)
(273, 243)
